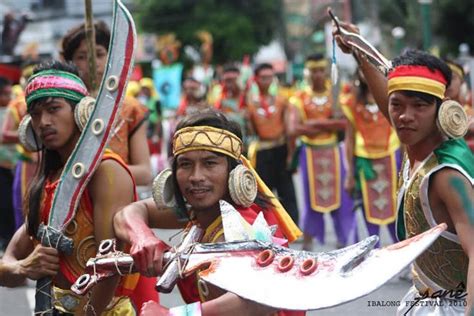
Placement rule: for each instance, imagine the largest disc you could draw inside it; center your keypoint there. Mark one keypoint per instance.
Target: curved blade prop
(291, 281)
(280, 277)
(90, 147)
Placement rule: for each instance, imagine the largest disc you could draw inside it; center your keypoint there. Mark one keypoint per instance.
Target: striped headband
(55, 83)
(417, 78)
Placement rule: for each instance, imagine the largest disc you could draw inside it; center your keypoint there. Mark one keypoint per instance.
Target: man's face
(79, 58)
(317, 75)
(202, 178)
(414, 119)
(264, 78)
(5, 95)
(53, 122)
(191, 89)
(229, 80)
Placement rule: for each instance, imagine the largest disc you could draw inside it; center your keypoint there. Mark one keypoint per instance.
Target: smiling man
(52, 94)
(206, 168)
(437, 178)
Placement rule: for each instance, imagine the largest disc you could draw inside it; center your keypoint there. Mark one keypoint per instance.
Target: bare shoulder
(454, 189)
(111, 174)
(449, 178)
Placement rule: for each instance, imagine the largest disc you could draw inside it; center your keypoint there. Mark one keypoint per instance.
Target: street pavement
(384, 301)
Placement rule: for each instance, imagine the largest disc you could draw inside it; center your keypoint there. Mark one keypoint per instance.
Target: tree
(237, 27)
(455, 24)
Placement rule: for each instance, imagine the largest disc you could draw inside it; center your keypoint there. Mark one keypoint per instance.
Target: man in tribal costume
(229, 98)
(53, 93)
(373, 156)
(271, 152)
(207, 163)
(437, 177)
(321, 158)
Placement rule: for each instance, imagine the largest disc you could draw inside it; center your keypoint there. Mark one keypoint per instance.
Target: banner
(167, 79)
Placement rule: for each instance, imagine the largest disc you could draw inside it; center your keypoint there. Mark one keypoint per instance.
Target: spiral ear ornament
(27, 136)
(163, 190)
(452, 119)
(83, 111)
(242, 186)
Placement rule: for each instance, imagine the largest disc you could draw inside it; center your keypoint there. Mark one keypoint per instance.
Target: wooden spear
(90, 38)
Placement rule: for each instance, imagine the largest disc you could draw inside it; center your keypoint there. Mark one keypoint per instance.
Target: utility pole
(425, 9)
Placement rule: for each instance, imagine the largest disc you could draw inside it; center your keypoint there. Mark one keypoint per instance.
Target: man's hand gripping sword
(110, 262)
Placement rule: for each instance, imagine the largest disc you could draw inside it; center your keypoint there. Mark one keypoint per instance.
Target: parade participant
(229, 99)
(321, 158)
(207, 162)
(7, 164)
(52, 95)
(373, 156)
(455, 92)
(129, 137)
(193, 98)
(271, 153)
(437, 177)
(149, 97)
(26, 165)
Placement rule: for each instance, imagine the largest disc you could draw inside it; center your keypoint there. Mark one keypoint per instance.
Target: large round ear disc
(83, 111)
(452, 119)
(163, 190)
(242, 186)
(27, 135)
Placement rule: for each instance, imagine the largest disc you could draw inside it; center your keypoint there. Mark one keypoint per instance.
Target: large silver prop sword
(88, 152)
(272, 275)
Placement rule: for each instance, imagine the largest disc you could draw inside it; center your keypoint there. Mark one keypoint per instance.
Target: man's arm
(231, 304)
(140, 156)
(327, 125)
(375, 79)
(457, 194)
(133, 225)
(22, 261)
(349, 142)
(9, 129)
(111, 188)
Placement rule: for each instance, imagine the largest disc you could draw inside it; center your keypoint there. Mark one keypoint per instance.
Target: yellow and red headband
(417, 78)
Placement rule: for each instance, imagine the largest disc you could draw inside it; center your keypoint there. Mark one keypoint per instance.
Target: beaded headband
(55, 83)
(417, 78)
(207, 138)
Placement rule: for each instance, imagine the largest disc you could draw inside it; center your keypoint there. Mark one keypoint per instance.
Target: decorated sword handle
(49, 237)
(43, 297)
(168, 279)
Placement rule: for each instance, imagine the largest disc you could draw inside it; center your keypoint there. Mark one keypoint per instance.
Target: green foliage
(452, 22)
(404, 13)
(455, 24)
(238, 27)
